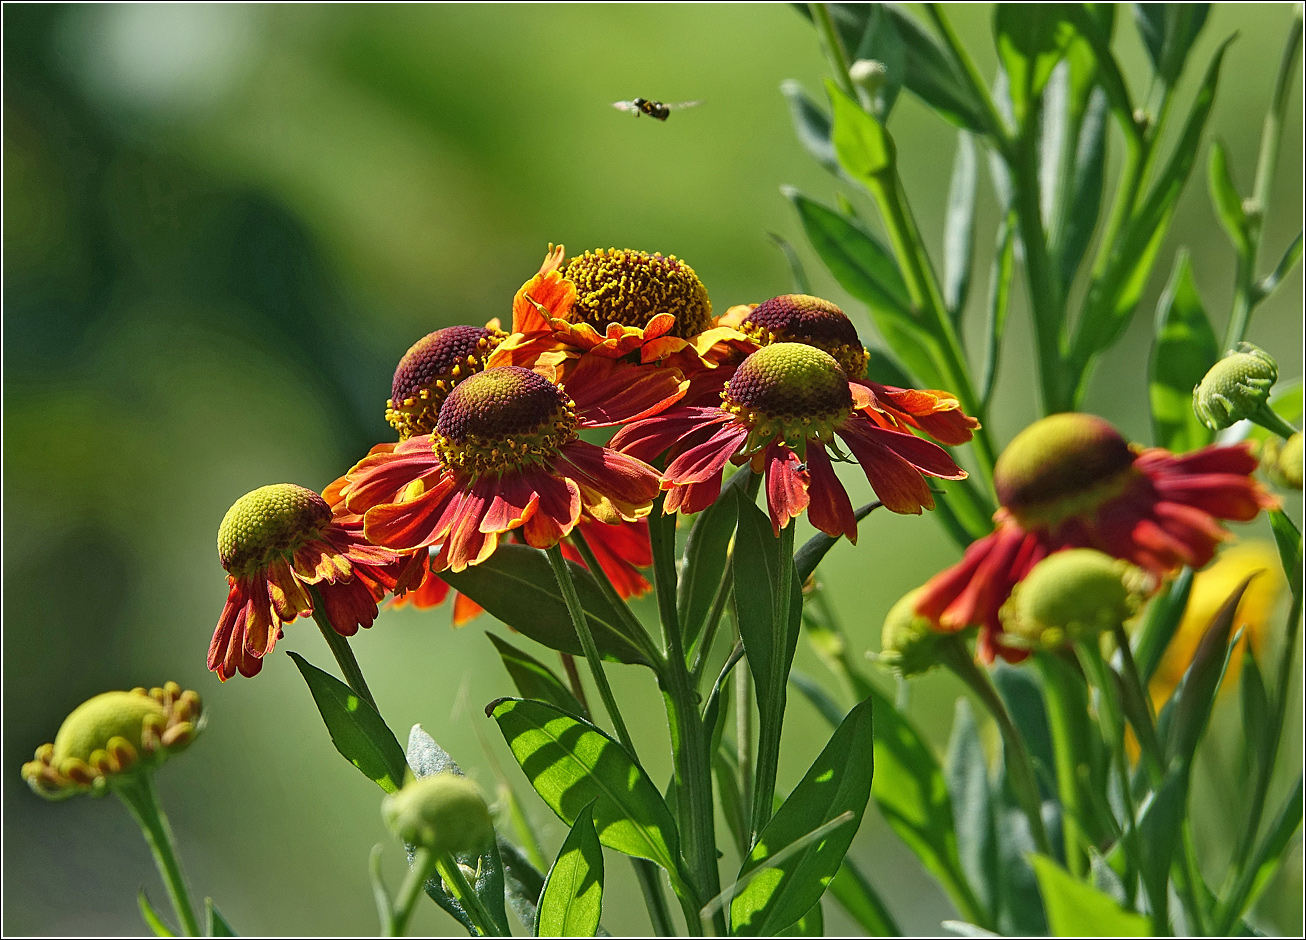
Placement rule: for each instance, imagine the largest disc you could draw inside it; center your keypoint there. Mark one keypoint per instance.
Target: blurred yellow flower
(1262, 608)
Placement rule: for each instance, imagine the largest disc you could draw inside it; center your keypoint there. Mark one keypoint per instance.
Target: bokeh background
(222, 227)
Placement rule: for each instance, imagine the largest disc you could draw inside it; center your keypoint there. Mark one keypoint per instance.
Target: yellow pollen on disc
(632, 287)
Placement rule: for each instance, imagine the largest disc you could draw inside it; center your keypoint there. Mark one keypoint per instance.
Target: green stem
(581, 623)
(574, 680)
(423, 866)
(650, 884)
(1066, 748)
(141, 799)
(834, 49)
(743, 730)
(771, 721)
(456, 884)
(1020, 768)
(719, 603)
(634, 629)
(1269, 419)
(970, 72)
(689, 738)
(341, 650)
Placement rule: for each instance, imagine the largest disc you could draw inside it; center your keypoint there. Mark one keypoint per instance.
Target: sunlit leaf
(573, 891)
(158, 926)
(1031, 39)
(535, 680)
(1184, 349)
(1168, 31)
(356, 729)
(215, 924)
(1159, 623)
(1077, 909)
(1281, 270)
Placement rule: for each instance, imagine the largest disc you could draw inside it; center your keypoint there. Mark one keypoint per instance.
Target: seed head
(269, 521)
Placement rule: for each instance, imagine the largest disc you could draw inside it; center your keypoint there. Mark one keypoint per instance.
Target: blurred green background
(222, 227)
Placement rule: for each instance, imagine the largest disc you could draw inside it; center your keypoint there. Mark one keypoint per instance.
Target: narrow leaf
(1031, 40)
(811, 552)
(929, 73)
(516, 585)
(535, 680)
(972, 806)
(1256, 713)
(1168, 31)
(1224, 197)
(158, 926)
(1184, 349)
(216, 924)
(573, 891)
(1159, 825)
(1273, 848)
(838, 782)
(356, 729)
(1160, 622)
(707, 553)
(1288, 539)
(797, 274)
(959, 226)
(864, 148)
(571, 764)
(811, 125)
(1004, 266)
(882, 43)
(1086, 192)
(1281, 270)
(1077, 909)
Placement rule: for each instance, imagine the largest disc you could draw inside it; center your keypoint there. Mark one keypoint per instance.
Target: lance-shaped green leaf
(356, 729)
(573, 892)
(158, 926)
(1184, 349)
(1031, 40)
(1224, 197)
(1190, 706)
(811, 552)
(910, 790)
(571, 764)
(959, 225)
(1114, 296)
(1269, 856)
(1159, 826)
(863, 146)
(707, 552)
(866, 269)
(1281, 270)
(1288, 540)
(838, 782)
(797, 274)
(535, 680)
(862, 902)
(1000, 274)
(1077, 909)
(516, 585)
(215, 925)
(1159, 623)
(1086, 191)
(972, 806)
(1256, 714)
(881, 43)
(1168, 31)
(811, 125)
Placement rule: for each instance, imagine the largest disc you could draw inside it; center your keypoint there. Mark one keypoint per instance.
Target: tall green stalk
(341, 650)
(140, 797)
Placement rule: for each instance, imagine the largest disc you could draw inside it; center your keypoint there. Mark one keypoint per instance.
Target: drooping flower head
(506, 454)
(908, 644)
(276, 543)
(1072, 596)
(113, 738)
(429, 371)
(782, 409)
(1072, 481)
(612, 303)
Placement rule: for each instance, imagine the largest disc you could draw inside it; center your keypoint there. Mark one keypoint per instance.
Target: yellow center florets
(501, 420)
(430, 369)
(788, 390)
(802, 318)
(270, 521)
(1061, 466)
(632, 287)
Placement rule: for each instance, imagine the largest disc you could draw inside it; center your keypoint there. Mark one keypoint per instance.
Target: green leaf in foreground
(1184, 349)
(838, 782)
(158, 926)
(357, 731)
(215, 924)
(573, 891)
(1077, 909)
(571, 764)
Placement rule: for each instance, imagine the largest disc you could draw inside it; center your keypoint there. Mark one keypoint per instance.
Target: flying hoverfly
(654, 109)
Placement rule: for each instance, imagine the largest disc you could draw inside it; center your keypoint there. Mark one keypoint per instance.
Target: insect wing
(681, 105)
(626, 106)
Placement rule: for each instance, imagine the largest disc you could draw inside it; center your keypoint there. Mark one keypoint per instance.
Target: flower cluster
(492, 445)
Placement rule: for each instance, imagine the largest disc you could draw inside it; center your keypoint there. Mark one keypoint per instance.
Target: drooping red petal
(417, 523)
(383, 477)
(558, 512)
(897, 483)
(464, 609)
(700, 462)
(786, 486)
(830, 509)
(619, 477)
(511, 504)
(608, 391)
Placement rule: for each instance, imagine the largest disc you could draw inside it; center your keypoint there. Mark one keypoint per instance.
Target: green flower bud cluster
(1072, 596)
(113, 738)
(1237, 388)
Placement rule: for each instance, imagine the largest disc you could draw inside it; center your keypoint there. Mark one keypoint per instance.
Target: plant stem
(573, 680)
(456, 884)
(966, 66)
(689, 738)
(422, 868)
(581, 623)
(650, 883)
(142, 800)
(634, 629)
(1020, 769)
(834, 49)
(771, 719)
(743, 730)
(341, 650)
(719, 603)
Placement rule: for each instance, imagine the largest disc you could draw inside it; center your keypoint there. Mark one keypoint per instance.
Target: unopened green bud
(868, 74)
(1282, 462)
(444, 812)
(1236, 387)
(1070, 596)
(908, 642)
(113, 738)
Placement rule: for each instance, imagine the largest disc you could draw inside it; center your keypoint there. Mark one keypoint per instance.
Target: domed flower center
(790, 390)
(271, 520)
(430, 369)
(94, 723)
(502, 419)
(802, 318)
(1062, 466)
(632, 287)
